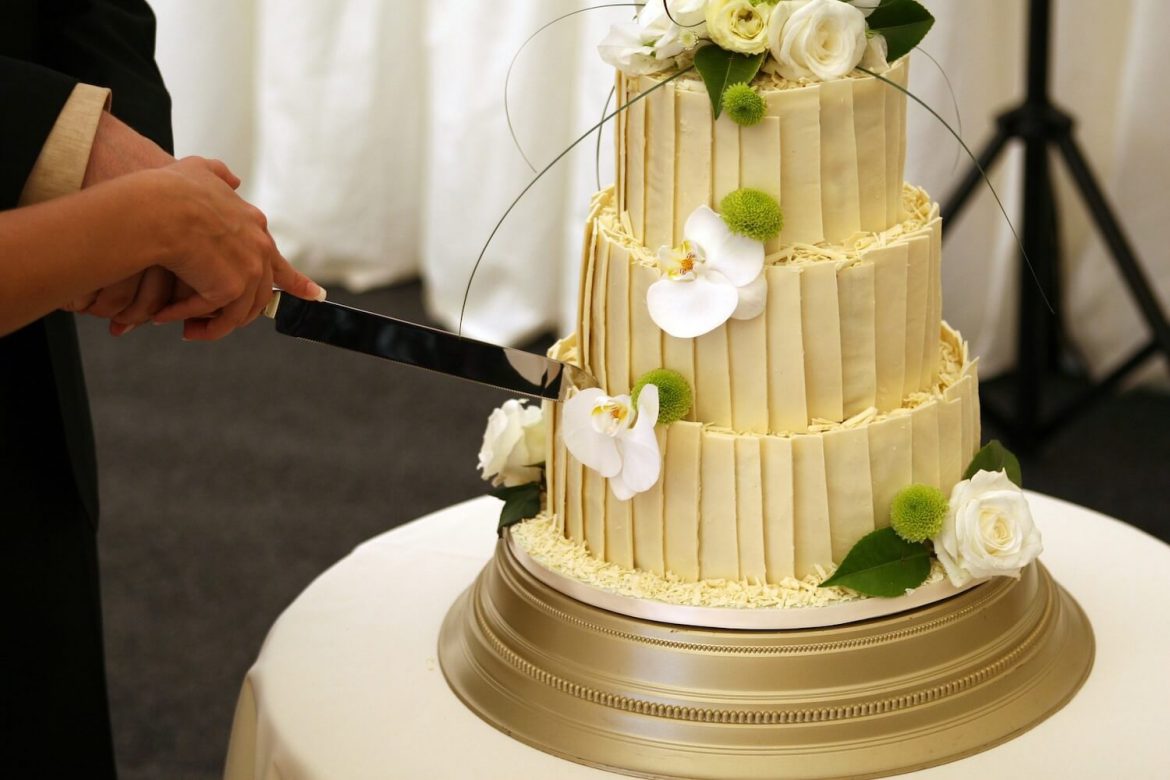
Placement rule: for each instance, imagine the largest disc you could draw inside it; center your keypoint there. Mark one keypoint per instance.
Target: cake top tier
(795, 99)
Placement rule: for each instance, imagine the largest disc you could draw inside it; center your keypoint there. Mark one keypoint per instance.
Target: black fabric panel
(54, 721)
(111, 43)
(31, 97)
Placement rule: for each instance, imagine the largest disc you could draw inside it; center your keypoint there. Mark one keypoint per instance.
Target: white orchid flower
(605, 434)
(715, 275)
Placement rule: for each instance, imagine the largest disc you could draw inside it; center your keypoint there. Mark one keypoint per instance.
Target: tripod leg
(1123, 255)
(958, 198)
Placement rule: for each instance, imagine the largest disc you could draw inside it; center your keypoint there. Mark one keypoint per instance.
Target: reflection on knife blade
(417, 345)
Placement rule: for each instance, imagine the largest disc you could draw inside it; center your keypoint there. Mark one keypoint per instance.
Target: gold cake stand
(865, 699)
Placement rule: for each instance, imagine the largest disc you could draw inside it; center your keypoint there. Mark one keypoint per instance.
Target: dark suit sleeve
(31, 97)
(110, 43)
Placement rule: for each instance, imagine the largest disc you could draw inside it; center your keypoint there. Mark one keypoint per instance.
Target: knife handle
(273, 305)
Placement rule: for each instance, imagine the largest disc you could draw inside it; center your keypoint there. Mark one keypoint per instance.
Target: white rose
(652, 43)
(988, 530)
(738, 25)
(513, 445)
(821, 39)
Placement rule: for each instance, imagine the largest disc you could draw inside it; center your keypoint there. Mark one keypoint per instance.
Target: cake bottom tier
(764, 508)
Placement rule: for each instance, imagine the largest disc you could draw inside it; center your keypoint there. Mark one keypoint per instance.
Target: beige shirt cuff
(60, 168)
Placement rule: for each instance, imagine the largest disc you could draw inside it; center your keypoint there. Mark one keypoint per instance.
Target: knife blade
(418, 345)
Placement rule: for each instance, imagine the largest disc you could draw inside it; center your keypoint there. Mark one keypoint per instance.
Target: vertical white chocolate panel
(760, 162)
(620, 133)
(557, 471)
(718, 539)
(855, 290)
(850, 488)
(679, 355)
(890, 462)
(593, 491)
(647, 506)
(645, 338)
(585, 294)
(680, 499)
(748, 350)
(917, 305)
(574, 493)
(895, 129)
(811, 532)
(660, 166)
(725, 161)
(869, 129)
(800, 163)
(713, 378)
(634, 151)
(617, 333)
(693, 168)
(840, 185)
(821, 326)
(961, 390)
(890, 265)
(779, 507)
(924, 445)
(950, 437)
(787, 407)
(900, 74)
(749, 509)
(935, 322)
(619, 530)
(599, 326)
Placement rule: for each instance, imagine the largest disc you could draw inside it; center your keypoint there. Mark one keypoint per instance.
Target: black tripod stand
(1041, 341)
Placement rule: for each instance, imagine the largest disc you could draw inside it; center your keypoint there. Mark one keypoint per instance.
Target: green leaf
(883, 564)
(520, 503)
(996, 457)
(720, 69)
(904, 23)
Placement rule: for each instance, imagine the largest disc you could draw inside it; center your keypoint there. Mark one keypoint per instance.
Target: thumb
(296, 283)
(220, 169)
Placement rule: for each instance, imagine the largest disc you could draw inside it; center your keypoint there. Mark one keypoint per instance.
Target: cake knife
(417, 345)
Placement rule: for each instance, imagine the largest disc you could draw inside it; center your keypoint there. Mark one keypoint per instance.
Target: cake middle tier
(846, 328)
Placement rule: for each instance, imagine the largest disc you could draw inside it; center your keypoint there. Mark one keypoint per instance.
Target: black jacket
(54, 719)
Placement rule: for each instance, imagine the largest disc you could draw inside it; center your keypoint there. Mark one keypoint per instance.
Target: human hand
(131, 302)
(119, 149)
(218, 244)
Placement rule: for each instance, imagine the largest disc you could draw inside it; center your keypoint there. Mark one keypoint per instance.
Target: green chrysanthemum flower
(752, 213)
(743, 105)
(674, 393)
(917, 512)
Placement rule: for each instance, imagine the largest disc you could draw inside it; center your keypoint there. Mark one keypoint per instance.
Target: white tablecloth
(348, 685)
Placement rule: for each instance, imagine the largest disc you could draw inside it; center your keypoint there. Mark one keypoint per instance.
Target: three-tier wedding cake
(783, 436)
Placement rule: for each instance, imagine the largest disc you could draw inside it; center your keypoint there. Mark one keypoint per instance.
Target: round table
(348, 686)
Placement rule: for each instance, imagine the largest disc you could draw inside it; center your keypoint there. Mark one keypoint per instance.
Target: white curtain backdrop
(373, 134)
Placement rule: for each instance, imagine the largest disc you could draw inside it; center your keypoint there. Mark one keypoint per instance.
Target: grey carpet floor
(234, 473)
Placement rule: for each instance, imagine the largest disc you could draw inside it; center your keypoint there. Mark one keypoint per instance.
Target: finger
(154, 293)
(82, 303)
(263, 295)
(293, 281)
(192, 307)
(112, 300)
(222, 171)
(232, 317)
